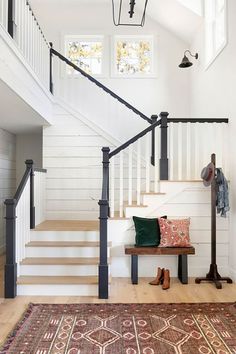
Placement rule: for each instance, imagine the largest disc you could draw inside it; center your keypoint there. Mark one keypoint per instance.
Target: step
(59, 266)
(57, 285)
(63, 249)
(70, 236)
(68, 225)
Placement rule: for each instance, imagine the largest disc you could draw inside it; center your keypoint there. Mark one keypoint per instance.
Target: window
(85, 52)
(133, 56)
(215, 30)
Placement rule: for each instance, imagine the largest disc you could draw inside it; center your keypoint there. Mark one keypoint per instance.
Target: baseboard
(232, 274)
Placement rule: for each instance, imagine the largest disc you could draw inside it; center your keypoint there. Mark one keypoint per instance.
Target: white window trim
(85, 37)
(153, 41)
(221, 48)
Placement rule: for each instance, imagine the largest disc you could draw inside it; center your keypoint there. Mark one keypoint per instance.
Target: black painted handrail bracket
(99, 84)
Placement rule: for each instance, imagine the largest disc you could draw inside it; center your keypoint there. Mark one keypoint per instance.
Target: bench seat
(181, 252)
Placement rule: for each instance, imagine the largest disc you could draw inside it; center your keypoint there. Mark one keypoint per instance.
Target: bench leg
(183, 268)
(134, 269)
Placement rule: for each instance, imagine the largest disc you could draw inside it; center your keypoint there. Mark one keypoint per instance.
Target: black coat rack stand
(213, 275)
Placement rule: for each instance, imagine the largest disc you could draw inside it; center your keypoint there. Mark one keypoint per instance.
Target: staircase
(61, 258)
(55, 243)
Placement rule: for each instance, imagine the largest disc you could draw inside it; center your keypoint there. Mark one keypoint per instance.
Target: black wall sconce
(117, 15)
(186, 63)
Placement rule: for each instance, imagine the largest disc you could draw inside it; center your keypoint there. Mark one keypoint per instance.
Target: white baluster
(157, 155)
(112, 188)
(121, 185)
(196, 150)
(138, 172)
(171, 149)
(148, 154)
(130, 188)
(188, 151)
(180, 152)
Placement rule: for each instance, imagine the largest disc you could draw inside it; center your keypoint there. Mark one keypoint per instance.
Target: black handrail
(99, 84)
(197, 120)
(135, 138)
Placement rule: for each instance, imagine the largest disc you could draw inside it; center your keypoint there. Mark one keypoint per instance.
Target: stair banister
(104, 201)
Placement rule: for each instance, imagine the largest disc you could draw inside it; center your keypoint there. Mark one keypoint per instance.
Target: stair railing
(21, 216)
(105, 198)
(187, 143)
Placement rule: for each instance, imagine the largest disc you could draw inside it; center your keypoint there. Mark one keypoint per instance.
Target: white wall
(213, 95)
(163, 93)
(28, 147)
(7, 177)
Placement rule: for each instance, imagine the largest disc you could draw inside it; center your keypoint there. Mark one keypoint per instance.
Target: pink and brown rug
(125, 328)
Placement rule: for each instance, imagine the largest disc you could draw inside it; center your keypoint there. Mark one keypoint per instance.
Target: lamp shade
(186, 63)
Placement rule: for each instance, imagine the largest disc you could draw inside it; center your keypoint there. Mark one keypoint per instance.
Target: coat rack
(213, 275)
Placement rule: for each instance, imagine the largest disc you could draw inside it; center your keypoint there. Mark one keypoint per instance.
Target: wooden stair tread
(68, 225)
(60, 261)
(152, 193)
(64, 244)
(33, 280)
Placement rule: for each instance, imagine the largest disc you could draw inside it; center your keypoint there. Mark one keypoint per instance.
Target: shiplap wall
(7, 176)
(73, 159)
(193, 201)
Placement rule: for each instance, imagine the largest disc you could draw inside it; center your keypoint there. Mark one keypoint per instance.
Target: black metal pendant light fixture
(121, 15)
(186, 63)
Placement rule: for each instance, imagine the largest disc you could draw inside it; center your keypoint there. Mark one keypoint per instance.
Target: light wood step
(152, 193)
(68, 225)
(60, 261)
(64, 244)
(24, 280)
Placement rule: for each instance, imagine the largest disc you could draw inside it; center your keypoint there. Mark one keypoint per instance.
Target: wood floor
(122, 291)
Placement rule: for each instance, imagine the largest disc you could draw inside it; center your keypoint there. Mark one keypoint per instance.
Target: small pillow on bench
(174, 233)
(147, 232)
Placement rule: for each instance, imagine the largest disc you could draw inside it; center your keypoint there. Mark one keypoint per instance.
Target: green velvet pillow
(147, 232)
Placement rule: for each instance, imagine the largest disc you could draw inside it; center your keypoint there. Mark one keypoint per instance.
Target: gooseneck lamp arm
(188, 51)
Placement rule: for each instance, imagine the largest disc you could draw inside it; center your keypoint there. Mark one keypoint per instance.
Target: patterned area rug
(125, 328)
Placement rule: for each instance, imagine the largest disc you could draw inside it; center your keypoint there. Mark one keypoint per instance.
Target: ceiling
(28, 121)
(174, 15)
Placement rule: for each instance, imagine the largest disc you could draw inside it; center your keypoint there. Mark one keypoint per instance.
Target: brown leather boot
(166, 279)
(159, 277)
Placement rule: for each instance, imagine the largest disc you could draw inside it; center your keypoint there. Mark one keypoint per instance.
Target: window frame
(85, 37)
(153, 62)
(212, 23)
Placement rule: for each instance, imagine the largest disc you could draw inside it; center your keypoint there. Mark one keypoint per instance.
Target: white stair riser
(57, 290)
(62, 252)
(59, 270)
(64, 236)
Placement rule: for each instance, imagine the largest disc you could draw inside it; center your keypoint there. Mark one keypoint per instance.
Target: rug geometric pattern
(125, 328)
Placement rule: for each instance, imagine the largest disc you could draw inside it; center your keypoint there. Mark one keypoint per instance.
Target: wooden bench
(181, 252)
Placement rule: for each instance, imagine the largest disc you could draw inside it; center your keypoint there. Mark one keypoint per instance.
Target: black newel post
(10, 26)
(104, 212)
(154, 119)
(164, 174)
(30, 165)
(10, 266)
(50, 68)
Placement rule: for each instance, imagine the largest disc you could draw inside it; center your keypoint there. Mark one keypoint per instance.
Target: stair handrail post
(154, 119)
(10, 24)
(10, 265)
(164, 163)
(30, 165)
(51, 68)
(103, 216)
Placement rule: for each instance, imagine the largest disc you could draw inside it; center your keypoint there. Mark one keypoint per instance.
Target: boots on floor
(159, 277)
(166, 279)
